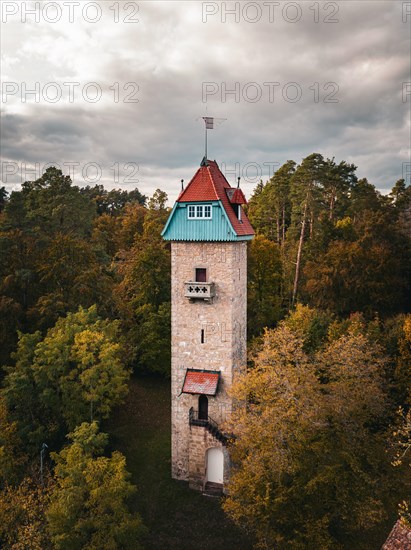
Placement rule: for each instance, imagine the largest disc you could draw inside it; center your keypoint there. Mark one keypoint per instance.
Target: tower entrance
(215, 465)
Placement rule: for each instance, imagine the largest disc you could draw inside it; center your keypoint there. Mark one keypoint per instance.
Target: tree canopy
(309, 443)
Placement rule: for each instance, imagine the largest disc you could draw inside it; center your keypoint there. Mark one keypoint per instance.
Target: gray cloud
(170, 53)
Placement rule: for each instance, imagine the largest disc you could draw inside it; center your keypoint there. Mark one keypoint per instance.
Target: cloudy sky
(114, 92)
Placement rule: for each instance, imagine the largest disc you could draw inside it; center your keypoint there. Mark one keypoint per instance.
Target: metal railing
(208, 423)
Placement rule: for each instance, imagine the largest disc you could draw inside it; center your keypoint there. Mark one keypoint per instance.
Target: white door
(215, 465)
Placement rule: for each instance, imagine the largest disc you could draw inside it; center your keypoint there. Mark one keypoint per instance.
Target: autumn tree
(310, 324)
(402, 444)
(12, 458)
(22, 517)
(402, 377)
(308, 446)
(116, 234)
(88, 504)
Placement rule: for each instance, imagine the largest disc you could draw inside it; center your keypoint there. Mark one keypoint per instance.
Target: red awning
(201, 382)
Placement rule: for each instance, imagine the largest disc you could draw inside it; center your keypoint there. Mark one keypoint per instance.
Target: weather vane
(210, 122)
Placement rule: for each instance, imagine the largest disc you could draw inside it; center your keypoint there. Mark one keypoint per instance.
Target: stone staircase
(213, 489)
(209, 424)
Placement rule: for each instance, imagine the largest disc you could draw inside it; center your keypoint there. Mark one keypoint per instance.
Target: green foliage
(364, 198)
(269, 207)
(51, 204)
(112, 202)
(369, 273)
(310, 324)
(150, 338)
(158, 200)
(74, 373)
(143, 297)
(88, 503)
(47, 264)
(3, 198)
(80, 362)
(344, 247)
(264, 284)
(22, 397)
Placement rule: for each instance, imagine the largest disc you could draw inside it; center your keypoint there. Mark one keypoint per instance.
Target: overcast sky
(136, 77)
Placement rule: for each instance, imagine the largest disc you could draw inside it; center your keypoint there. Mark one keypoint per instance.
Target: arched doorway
(203, 407)
(215, 465)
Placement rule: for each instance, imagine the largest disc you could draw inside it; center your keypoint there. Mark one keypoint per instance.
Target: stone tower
(208, 231)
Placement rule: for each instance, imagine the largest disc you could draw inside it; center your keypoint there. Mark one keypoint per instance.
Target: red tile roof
(237, 197)
(209, 184)
(197, 381)
(399, 538)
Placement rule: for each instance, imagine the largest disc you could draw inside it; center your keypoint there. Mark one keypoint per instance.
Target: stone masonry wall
(224, 349)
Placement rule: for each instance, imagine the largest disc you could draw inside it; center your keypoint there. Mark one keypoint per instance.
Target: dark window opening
(203, 407)
(237, 211)
(201, 275)
(202, 336)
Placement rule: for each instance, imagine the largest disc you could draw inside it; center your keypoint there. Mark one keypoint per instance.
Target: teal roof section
(181, 228)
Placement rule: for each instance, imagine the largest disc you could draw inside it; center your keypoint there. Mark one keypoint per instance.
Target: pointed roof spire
(210, 184)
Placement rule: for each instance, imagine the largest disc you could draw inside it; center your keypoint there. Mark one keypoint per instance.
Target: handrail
(209, 423)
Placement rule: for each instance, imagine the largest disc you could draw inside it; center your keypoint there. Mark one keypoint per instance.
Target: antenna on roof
(182, 185)
(238, 182)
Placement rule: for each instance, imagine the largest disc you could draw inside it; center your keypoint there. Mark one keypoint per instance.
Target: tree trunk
(283, 241)
(300, 247)
(332, 201)
(278, 228)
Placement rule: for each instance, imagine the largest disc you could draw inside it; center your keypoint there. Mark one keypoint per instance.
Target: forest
(85, 310)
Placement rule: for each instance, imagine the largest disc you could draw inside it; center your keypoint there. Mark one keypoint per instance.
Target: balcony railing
(209, 424)
(201, 291)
